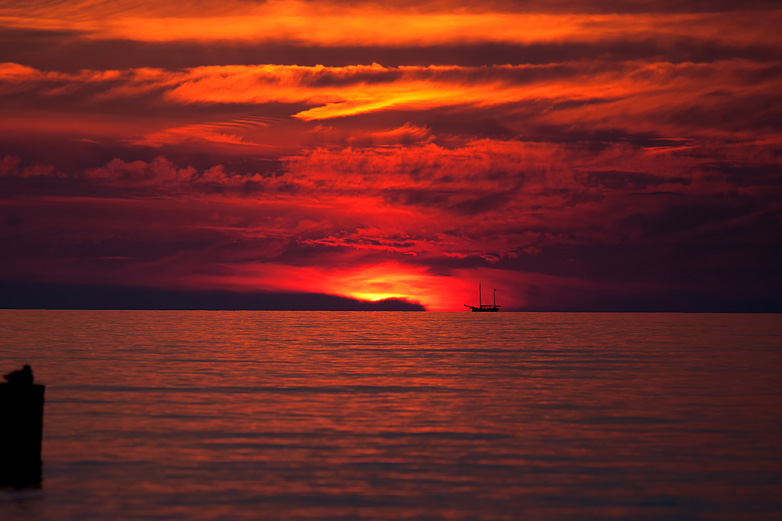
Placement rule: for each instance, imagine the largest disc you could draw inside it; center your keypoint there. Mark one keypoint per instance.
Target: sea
(252, 415)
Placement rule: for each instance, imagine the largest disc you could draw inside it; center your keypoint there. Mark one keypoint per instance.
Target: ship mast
(481, 307)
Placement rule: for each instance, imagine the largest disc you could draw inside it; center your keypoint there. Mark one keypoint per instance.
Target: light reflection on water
(325, 415)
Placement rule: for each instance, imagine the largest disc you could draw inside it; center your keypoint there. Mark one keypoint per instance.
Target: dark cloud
(419, 197)
(621, 180)
(610, 170)
(615, 6)
(66, 52)
(484, 203)
(743, 175)
(598, 138)
(680, 218)
(30, 295)
(734, 112)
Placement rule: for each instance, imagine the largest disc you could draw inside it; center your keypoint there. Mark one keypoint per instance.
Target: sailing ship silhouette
(484, 308)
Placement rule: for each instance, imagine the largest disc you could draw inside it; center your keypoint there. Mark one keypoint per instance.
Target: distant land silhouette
(34, 295)
(40, 295)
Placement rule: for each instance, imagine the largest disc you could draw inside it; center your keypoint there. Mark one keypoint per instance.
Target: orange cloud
(383, 280)
(574, 161)
(633, 94)
(346, 91)
(337, 23)
(364, 282)
(221, 133)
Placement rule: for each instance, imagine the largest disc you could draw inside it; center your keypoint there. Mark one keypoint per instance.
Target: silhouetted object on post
(21, 429)
(484, 308)
(21, 376)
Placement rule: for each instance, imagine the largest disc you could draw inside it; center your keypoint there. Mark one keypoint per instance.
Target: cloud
(9, 165)
(338, 23)
(414, 222)
(576, 156)
(220, 133)
(661, 99)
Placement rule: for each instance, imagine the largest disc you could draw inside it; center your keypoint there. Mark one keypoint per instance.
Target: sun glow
(294, 150)
(383, 282)
(371, 282)
(374, 297)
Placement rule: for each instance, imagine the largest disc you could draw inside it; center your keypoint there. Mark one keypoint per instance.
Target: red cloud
(576, 159)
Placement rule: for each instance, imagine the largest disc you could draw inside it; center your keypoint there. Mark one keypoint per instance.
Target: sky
(575, 155)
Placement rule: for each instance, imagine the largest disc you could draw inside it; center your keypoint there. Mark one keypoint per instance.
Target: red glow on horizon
(577, 155)
(388, 280)
(371, 283)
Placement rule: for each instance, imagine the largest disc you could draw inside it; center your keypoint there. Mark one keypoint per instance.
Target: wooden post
(21, 431)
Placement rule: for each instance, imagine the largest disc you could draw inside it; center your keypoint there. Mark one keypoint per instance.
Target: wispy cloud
(576, 154)
(338, 23)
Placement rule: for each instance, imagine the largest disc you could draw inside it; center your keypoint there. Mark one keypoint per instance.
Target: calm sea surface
(385, 416)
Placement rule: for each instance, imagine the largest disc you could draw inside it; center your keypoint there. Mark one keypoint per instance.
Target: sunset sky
(575, 155)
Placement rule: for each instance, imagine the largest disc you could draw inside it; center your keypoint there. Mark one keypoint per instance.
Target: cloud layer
(574, 156)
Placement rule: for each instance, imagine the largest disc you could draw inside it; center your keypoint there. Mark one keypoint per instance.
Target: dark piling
(21, 431)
